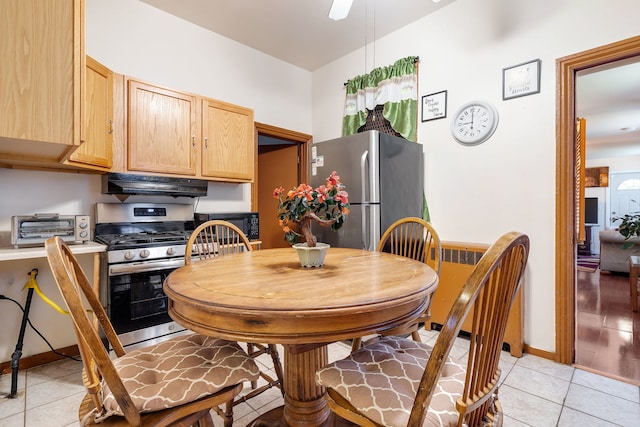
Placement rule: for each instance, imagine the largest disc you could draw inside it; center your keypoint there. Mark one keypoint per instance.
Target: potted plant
(326, 205)
(629, 227)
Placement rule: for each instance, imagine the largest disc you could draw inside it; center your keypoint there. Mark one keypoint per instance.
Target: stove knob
(144, 253)
(129, 255)
(171, 251)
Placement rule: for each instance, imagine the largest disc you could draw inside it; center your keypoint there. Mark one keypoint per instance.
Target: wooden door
(97, 149)
(277, 167)
(163, 130)
(227, 141)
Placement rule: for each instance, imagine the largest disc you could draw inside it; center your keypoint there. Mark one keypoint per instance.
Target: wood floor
(608, 332)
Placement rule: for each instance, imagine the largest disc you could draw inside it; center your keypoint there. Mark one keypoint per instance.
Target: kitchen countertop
(9, 253)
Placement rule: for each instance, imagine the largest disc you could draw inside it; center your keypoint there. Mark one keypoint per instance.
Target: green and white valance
(395, 87)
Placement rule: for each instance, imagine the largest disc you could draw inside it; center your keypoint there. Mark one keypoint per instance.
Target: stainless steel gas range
(145, 242)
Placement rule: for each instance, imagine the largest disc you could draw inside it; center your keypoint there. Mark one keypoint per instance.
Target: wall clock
(474, 122)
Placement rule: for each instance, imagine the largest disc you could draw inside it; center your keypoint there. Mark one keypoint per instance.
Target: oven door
(136, 300)
(136, 303)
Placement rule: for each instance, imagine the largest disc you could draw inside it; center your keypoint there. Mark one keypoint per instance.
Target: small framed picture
(434, 106)
(521, 80)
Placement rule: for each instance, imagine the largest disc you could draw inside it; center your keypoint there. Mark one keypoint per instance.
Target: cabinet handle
(193, 141)
(206, 142)
(110, 131)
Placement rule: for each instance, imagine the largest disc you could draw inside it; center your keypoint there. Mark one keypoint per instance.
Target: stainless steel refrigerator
(384, 176)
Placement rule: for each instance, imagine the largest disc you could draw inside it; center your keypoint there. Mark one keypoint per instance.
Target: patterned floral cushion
(381, 381)
(179, 370)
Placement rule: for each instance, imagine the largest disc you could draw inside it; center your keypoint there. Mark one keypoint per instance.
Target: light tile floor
(534, 392)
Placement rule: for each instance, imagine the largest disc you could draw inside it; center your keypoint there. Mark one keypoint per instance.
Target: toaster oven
(34, 230)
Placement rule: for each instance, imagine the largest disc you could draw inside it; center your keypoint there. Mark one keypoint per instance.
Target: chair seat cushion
(381, 381)
(179, 370)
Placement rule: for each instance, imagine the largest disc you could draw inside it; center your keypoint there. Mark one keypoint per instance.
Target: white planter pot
(311, 257)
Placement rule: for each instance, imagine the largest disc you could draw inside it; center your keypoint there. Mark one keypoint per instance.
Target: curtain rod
(416, 59)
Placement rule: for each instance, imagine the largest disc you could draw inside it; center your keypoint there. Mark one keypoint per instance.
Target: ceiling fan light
(340, 9)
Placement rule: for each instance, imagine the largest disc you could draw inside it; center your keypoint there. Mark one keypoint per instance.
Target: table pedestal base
(304, 403)
(275, 418)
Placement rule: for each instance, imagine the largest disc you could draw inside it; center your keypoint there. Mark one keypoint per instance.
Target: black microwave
(245, 221)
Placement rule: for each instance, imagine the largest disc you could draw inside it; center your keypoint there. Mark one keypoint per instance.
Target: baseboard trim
(540, 353)
(40, 359)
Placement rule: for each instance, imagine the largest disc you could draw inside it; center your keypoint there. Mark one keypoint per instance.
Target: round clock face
(474, 123)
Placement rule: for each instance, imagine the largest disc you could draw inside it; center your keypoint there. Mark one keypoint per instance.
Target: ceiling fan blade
(340, 9)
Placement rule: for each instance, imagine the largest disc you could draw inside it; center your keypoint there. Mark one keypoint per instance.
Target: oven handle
(141, 267)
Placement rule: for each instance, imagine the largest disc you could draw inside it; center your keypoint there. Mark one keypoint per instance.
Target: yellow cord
(32, 283)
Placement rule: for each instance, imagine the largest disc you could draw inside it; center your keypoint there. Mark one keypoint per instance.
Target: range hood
(129, 184)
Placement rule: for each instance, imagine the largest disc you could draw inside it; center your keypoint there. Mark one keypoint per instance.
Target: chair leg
(206, 421)
(416, 336)
(355, 344)
(228, 414)
(277, 366)
(250, 350)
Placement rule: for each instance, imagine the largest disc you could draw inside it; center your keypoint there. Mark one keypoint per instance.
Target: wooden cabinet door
(163, 130)
(97, 149)
(228, 145)
(41, 79)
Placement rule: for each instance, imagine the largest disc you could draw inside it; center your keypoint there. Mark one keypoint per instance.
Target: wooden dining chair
(413, 238)
(174, 383)
(396, 381)
(218, 238)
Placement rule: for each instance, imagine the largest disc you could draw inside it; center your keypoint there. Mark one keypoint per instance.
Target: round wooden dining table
(265, 296)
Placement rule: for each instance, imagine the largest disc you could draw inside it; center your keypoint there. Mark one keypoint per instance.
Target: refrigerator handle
(363, 180)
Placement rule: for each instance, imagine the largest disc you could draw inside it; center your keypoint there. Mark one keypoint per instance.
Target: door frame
(302, 139)
(566, 69)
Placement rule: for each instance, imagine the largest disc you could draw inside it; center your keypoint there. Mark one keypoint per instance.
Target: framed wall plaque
(521, 80)
(434, 106)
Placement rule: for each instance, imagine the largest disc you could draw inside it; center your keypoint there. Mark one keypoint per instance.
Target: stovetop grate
(140, 235)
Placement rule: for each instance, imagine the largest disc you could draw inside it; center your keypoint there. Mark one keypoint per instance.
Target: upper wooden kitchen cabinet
(178, 133)
(228, 146)
(163, 132)
(41, 80)
(97, 151)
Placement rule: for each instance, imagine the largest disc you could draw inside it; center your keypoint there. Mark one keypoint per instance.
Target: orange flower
(277, 192)
(333, 179)
(304, 191)
(342, 197)
(323, 193)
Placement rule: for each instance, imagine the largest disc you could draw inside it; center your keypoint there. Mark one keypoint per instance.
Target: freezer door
(401, 179)
(355, 158)
(361, 230)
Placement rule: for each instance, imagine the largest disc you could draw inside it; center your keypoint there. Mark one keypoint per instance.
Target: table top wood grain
(267, 296)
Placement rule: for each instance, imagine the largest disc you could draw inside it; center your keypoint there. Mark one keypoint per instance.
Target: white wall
(475, 194)
(135, 39)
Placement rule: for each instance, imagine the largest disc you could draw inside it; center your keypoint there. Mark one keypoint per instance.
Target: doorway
(566, 69)
(281, 162)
